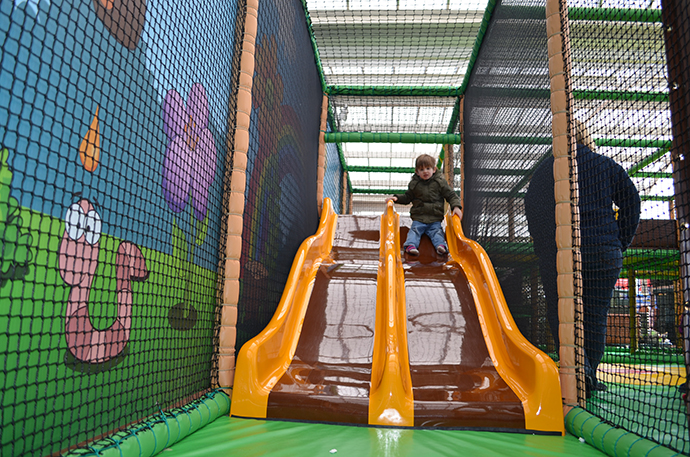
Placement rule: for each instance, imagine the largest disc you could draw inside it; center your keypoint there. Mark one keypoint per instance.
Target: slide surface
(381, 340)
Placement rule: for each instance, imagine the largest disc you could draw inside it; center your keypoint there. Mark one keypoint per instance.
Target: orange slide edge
(529, 372)
(264, 359)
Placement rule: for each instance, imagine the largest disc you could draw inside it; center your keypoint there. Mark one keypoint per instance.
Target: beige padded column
(559, 56)
(238, 180)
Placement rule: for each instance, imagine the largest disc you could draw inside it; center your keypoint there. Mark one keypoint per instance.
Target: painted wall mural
(189, 168)
(17, 241)
(78, 259)
(111, 161)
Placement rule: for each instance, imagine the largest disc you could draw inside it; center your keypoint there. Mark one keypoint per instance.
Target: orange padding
(264, 359)
(530, 373)
(390, 397)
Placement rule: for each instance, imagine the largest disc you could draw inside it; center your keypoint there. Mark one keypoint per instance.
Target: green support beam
(393, 91)
(511, 194)
(378, 191)
(392, 137)
(420, 91)
(632, 143)
(614, 14)
(367, 169)
(651, 174)
(648, 160)
(620, 95)
(546, 140)
(657, 198)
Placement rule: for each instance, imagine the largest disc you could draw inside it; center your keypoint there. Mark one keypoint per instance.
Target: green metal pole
(632, 305)
(648, 160)
(478, 43)
(632, 143)
(393, 91)
(614, 14)
(391, 137)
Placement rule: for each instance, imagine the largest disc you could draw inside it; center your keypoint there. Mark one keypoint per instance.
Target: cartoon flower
(190, 158)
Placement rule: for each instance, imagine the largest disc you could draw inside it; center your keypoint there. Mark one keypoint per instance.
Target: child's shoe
(441, 250)
(412, 250)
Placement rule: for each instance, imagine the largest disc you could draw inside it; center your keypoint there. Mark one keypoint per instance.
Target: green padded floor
(247, 437)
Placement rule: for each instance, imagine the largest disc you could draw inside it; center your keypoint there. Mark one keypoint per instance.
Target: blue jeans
(433, 231)
(600, 270)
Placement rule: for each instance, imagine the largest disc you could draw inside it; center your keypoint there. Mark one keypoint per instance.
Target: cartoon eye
(75, 220)
(92, 227)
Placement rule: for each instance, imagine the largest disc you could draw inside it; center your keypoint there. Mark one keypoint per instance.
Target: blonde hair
(424, 161)
(582, 135)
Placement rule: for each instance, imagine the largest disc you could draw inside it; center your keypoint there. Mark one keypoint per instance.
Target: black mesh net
(280, 209)
(507, 114)
(379, 169)
(335, 183)
(627, 276)
(676, 18)
(113, 145)
(627, 233)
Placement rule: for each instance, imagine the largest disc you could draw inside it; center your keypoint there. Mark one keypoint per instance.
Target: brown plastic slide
(398, 341)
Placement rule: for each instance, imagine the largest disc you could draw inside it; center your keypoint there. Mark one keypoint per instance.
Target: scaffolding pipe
(392, 137)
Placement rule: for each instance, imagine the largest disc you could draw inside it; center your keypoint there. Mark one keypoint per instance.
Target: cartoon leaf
(90, 147)
(23, 254)
(5, 172)
(5, 181)
(15, 243)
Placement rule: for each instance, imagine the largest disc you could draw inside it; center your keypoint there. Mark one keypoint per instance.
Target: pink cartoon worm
(78, 259)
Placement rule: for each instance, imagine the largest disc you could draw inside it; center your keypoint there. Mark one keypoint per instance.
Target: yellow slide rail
(264, 359)
(530, 373)
(390, 398)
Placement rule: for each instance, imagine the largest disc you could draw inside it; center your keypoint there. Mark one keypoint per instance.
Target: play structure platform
(365, 335)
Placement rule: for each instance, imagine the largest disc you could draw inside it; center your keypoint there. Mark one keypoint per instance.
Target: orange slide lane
(390, 398)
(530, 373)
(263, 360)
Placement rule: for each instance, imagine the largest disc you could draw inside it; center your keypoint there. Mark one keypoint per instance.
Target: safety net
(280, 209)
(392, 71)
(627, 285)
(630, 284)
(120, 173)
(113, 154)
(507, 135)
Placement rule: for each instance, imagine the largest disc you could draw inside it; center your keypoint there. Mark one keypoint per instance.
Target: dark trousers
(600, 271)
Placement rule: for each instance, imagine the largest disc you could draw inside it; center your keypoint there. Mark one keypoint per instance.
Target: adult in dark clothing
(604, 237)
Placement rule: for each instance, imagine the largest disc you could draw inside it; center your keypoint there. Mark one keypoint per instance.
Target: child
(427, 191)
